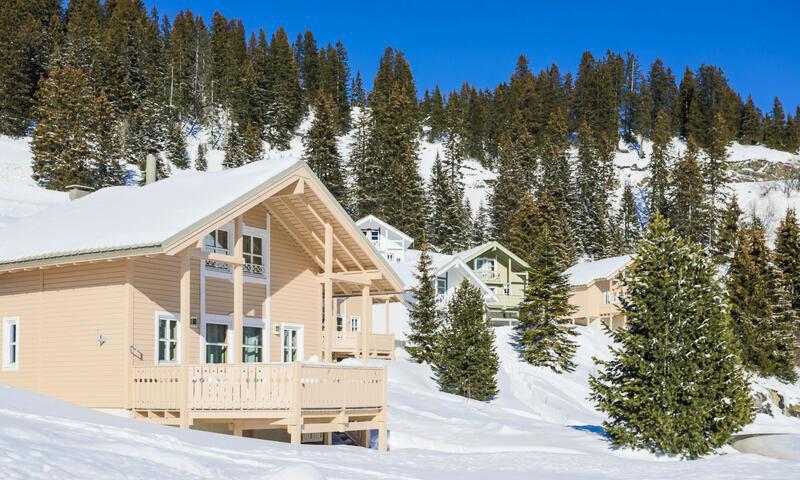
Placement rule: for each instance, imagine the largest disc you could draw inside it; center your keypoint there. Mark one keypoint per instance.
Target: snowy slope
(540, 425)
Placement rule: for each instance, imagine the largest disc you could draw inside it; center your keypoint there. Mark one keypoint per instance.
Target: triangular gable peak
(387, 239)
(175, 215)
(475, 252)
(457, 263)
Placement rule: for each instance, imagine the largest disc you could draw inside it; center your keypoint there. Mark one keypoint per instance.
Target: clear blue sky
(757, 43)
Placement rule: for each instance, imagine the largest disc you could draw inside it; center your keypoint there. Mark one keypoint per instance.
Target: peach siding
(61, 311)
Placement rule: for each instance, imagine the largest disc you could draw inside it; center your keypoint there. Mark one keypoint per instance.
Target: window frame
(339, 323)
(8, 345)
(260, 233)
(355, 324)
(157, 340)
(259, 348)
(507, 290)
(300, 348)
(481, 262)
(227, 344)
(441, 277)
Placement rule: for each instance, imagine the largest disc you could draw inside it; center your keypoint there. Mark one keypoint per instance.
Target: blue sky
(757, 43)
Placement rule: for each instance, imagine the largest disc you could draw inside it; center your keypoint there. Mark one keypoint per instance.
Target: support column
(366, 322)
(185, 334)
(238, 293)
(328, 294)
(295, 433)
(327, 438)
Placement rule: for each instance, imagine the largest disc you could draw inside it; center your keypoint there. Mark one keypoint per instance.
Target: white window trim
(301, 340)
(486, 261)
(7, 365)
(156, 319)
(250, 231)
(446, 284)
(227, 320)
(357, 323)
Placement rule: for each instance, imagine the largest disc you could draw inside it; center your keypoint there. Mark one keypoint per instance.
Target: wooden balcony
(349, 345)
(303, 398)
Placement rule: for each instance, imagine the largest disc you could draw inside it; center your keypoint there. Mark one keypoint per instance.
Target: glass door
(291, 344)
(216, 343)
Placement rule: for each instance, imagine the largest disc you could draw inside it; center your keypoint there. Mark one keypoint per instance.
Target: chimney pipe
(150, 169)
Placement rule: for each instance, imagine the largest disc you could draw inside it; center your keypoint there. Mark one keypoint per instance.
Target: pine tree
(234, 150)
(509, 186)
(448, 221)
(725, 240)
(750, 125)
(555, 159)
(660, 166)
(628, 222)
(284, 97)
(775, 127)
(590, 197)
(787, 259)
(252, 148)
(200, 163)
(674, 387)
(321, 149)
(423, 315)
(176, 147)
(437, 117)
(480, 226)
(365, 173)
(525, 228)
(715, 170)
(466, 360)
(358, 94)
(763, 318)
(543, 334)
(687, 197)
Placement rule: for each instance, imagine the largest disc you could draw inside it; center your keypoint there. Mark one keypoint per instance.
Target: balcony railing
(349, 344)
(241, 387)
(489, 274)
(251, 269)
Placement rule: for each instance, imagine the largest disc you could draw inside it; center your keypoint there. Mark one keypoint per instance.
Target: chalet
(595, 288)
(391, 317)
(204, 301)
(505, 274)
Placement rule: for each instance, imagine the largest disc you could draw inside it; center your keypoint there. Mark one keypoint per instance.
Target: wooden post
(327, 438)
(295, 426)
(383, 434)
(366, 322)
(328, 294)
(238, 293)
(185, 335)
(386, 316)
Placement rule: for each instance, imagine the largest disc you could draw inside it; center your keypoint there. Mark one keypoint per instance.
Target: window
(10, 343)
(507, 290)
(217, 242)
(374, 235)
(167, 339)
(355, 324)
(339, 323)
(252, 345)
(390, 256)
(292, 343)
(253, 254)
(485, 264)
(216, 343)
(608, 298)
(441, 284)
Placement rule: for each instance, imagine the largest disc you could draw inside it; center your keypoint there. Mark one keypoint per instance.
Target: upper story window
(217, 242)
(355, 324)
(507, 290)
(441, 284)
(608, 298)
(253, 255)
(339, 323)
(10, 343)
(390, 256)
(487, 267)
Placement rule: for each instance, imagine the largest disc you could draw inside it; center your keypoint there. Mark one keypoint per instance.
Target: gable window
(167, 339)
(253, 255)
(608, 298)
(339, 323)
(441, 284)
(217, 242)
(252, 345)
(10, 343)
(487, 268)
(216, 343)
(374, 235)
(355, 324)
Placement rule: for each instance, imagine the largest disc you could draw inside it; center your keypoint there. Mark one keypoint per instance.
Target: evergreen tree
(509, 186)
(437, 116)
(554, 160)
(660, 165)
(764, 321)
(685, 94)
(200, 163)
(358, 94)
(423, 315)
(687, 197)
(176, 147)
(543, 334)
(252, 147)
(525, 228)
(674, 387)
(466, 360)
(448, 221)
(750, 125)
(480, 227)
(715, 170)
(725, 240)
(787, 259)
(775, 127)
(234, 151)
(321, 149)
(590, 194)
(628, 223)
(284, 97)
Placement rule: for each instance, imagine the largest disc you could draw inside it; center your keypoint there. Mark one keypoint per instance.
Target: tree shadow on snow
(595, 429)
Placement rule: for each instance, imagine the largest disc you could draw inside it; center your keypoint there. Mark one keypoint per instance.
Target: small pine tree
(252, 145)
(660, 165)
(480, 227)
(687, 197)
(525, 228)
(763, 318)
(543, 334)
(234, 152)
(176, 147)
(674, 387)
(787, 258)
(466, 360)
(423, 315)
(629, 226)
(728, 231)
(201, 163)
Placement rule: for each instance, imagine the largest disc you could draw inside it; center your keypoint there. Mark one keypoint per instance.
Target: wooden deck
(303, 398)
(349, 345)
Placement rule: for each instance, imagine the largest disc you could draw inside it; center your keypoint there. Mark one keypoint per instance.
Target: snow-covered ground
(540, 426)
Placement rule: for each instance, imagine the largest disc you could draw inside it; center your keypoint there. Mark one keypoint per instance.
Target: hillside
(540, 423)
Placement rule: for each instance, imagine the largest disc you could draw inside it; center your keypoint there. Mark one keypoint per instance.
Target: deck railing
(380, 344)
(234, 387)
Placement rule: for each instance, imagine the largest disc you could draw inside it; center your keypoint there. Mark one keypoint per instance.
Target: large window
(167, 339)
(253, 255)
(485, 264)
(441, 284)
(10, 343)
(252, 345)
(216, 343)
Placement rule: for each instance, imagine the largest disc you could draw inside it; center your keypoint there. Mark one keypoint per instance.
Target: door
(291, 343)
(216, 343)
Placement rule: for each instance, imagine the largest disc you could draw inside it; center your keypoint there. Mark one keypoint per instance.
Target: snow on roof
(124, 218)
(440, 263)
(372, 218)
(585, 273)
